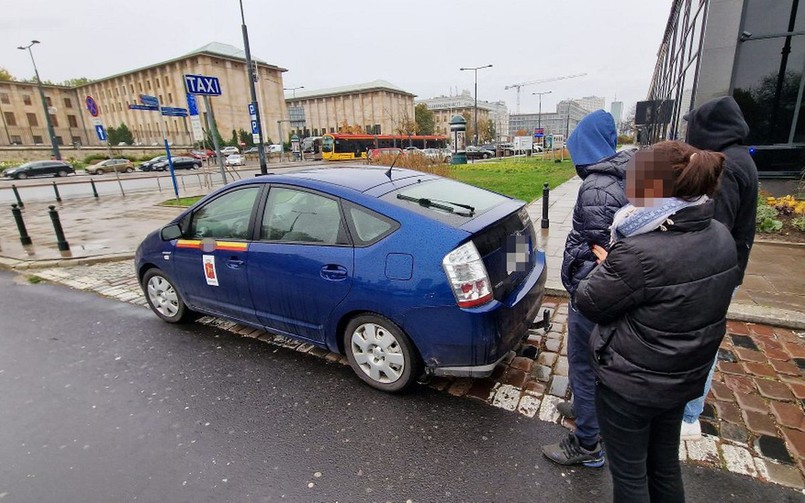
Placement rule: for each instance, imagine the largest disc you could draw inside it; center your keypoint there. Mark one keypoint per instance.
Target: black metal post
(546, 191)
(17, 195)
(56, 190)
(61, 242)
(25, 239)
(94, 190)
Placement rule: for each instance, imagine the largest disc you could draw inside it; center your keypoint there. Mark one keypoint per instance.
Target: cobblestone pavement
(753, 420)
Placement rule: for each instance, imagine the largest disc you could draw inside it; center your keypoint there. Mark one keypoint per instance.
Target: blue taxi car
(407, 273)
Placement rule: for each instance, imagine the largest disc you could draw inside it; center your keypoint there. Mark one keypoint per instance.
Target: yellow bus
(348, 147)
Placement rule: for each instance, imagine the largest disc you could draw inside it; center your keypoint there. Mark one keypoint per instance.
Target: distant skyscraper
(616, 109)
(590, 103)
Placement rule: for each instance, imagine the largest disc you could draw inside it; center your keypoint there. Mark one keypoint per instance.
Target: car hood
(11, 171)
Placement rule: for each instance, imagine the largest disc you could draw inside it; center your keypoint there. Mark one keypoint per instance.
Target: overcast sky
(418, 45)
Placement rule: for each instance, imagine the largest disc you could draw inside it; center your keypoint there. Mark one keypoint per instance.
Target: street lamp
(51, 133)
(475, 69)
(539, 117)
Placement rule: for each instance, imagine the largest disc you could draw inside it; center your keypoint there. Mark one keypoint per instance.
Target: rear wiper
(434, 203)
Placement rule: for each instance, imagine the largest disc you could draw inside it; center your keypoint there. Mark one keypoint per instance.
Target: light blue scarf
(633, 220)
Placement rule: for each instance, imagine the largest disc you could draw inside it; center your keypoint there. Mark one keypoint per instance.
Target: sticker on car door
(209, 270)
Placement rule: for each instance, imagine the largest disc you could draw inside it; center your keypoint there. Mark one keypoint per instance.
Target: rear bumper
(470, 371)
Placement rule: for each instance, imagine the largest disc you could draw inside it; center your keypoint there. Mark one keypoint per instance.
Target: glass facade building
(753, 50)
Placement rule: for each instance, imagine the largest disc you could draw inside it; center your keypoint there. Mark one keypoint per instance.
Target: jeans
(694, 408)
(582, 378)
(642, 445)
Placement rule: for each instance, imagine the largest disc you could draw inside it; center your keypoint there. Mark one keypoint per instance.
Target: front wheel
(99, 171)
(129, 170)
(164, 298)
(485, 156)
(380, 353)
(62, 173)
(22, 176)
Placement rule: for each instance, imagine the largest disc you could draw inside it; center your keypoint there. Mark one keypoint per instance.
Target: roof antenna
(388, 173)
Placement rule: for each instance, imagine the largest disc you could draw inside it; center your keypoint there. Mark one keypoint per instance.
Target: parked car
(230, 150)
(147, 165)
(407, 273)
(39, 168)
(274, 148)
(374, 154)
(179, 162)
(201, 154)
(236, 160)
(478, 153)
(437, 154)
(110, 165)
(253, 150)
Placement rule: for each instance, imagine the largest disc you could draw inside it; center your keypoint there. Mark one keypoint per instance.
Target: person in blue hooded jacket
(592, 148)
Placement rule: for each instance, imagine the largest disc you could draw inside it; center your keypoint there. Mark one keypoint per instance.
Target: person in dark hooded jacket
(660, 299)
(719, 125)
(592, 148)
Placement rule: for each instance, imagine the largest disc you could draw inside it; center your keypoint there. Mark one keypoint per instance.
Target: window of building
(116, 95)
(76, 141)
(332, 130)
(59, 140)
(71, 121)
(48, 101)
(377, 129)
(16, 140)
(148, 84)
(4, 98)
(170, 97)
(167, 82)
(131, 88)
(10, 119)
(68, 103)
(54, 120)
(32, 121)
(26, 98)
(315, 132)
(37, 140)
(119, 107)
(160, 99)
(156, 82)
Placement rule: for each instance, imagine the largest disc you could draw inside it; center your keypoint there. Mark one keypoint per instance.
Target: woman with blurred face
(659, 298)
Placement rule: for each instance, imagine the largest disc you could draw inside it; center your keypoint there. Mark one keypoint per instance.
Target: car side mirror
(170, 232)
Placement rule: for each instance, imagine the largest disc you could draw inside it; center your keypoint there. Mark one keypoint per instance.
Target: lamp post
(539, 117)
(51, 133)
(475, 70)
(252, 76)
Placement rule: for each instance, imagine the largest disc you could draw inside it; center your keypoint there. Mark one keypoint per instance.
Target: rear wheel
(380, 353)
(22, 176)
(99, 171)
(164, 298)
(129, 170)
(62, 173)
(485, 156)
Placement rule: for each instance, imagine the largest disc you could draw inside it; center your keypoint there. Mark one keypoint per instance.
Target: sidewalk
(754, 420)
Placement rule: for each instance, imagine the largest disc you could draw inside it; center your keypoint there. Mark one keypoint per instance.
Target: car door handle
(334, 272)
(234, 263)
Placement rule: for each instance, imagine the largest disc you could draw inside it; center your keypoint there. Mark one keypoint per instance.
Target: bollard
(94, 190)
(546, 191)
(56, 190)
(60, 240)
(25, 239)
(17, 195)
(159, 184)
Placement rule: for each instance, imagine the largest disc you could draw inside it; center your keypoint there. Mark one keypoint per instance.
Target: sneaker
(691, 431)
(566, 409)
(569, 452)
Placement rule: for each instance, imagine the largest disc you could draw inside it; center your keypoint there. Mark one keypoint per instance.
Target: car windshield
(448, 197)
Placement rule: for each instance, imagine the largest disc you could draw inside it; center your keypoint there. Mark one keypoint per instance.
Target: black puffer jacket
(600, 196)
(719, 125)
(660, 301)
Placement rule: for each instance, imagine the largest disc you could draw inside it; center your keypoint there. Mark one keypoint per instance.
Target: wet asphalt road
(102, 402)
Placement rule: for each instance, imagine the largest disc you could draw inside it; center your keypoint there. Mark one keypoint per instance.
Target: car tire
(129, 170)
(163, 297)
(21, 176)
(380, 353)
(485, 156)
(62, 173)
(99, 172)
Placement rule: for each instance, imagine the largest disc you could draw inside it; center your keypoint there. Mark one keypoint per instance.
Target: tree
(234, 140)
(80, 81)
(424, 119)
(470, 129)
(486, 131)
(120, 134)
(245, 138)
(5, 75)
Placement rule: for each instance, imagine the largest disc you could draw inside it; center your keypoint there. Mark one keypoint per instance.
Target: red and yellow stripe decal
(219, 245)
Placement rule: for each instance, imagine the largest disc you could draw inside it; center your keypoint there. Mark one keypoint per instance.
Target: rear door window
(367, 226)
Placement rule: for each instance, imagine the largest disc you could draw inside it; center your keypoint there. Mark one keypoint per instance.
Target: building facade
(20, 103)
(445, 107)
(590, 103)
(377, 107)
(752, 50)
(616, 109)
(561, 122)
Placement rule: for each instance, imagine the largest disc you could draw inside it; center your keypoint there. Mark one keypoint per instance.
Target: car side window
(368, 226)
(226, 216)
(299, 216)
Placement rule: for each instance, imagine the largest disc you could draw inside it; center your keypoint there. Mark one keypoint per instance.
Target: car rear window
(443, 192)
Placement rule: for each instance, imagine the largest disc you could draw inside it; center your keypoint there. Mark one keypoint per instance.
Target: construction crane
(540, 81)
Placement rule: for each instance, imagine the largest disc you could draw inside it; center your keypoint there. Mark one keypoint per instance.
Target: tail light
(467, 275)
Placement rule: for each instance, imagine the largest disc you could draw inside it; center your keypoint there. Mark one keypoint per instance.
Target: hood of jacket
(614, 165)
(593, 139)
(716, 125)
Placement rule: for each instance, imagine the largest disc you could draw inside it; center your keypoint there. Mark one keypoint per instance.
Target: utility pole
(252, 76)
(54, 144)
(539, 116)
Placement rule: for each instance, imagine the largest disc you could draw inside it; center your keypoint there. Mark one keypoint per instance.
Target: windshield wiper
(435, 203)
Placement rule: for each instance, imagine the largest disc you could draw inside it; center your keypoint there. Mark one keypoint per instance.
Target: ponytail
(695, 172)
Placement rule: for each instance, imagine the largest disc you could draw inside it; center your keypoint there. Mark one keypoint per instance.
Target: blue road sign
(142, 107)
(255, 127)
(101, 132)
(252, 109)
(92, 106)
(150, 101)
(201, 84)
(192, 106)
(173, 111)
